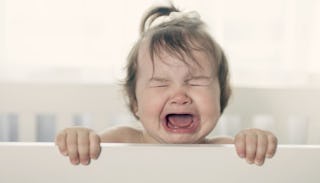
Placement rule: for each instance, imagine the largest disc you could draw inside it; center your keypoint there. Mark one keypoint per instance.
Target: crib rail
(41, 162)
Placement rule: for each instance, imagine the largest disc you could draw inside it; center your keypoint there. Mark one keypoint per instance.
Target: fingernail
(241, 155)
(85, 162)
(258, 162)
(269, 156)
(249, 161)
(75, 162)
(93, 157)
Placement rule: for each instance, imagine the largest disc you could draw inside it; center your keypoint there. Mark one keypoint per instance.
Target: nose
(180, 97)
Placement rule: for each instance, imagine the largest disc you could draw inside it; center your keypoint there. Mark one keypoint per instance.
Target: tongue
(180, 120)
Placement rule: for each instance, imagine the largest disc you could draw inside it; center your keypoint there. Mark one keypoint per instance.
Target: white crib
(124, 163)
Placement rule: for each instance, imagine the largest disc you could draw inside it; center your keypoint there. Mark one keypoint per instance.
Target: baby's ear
(135, 110)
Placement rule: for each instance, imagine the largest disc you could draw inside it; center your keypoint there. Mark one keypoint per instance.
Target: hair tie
(192, 15)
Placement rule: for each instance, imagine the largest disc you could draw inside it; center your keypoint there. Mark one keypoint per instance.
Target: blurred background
(62, 63)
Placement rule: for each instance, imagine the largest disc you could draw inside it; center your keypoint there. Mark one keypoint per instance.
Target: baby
(178, 86)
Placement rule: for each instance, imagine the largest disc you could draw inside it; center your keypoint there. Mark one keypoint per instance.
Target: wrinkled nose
(180, 98)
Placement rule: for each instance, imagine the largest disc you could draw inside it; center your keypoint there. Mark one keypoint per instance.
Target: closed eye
(159, 85)
(199, 81)
(158, 82)
(198, 84)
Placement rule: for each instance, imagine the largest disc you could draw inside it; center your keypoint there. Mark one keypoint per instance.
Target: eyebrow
(159, 79)
(200, 77)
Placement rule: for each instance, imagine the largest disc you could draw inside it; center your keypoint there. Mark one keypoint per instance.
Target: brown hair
(179, 36)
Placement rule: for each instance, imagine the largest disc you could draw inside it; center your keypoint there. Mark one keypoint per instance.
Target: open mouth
(181, 123)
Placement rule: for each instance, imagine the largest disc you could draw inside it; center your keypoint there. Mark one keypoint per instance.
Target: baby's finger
(240, 143)
(272, 145)
(94, 145)
(72, 146)
(60, 141)
(83, 147)
(251, 147)
(261, 149)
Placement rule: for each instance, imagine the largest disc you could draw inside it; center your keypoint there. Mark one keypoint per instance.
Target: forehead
(196, 61)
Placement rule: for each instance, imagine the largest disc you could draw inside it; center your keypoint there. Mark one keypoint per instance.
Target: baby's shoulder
(129, 131)
(220, 140)
(121, 134)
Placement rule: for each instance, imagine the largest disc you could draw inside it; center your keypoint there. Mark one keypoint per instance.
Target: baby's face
(177, 103)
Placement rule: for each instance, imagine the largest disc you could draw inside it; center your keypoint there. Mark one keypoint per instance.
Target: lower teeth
(170, 125)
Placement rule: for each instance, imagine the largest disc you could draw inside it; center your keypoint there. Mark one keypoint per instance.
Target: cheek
(149, 103)
(209, 104)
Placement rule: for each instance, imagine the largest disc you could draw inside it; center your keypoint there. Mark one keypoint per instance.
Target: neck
(145, 138)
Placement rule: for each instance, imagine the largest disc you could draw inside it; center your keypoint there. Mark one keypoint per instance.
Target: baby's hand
(255, 145)
(80, 144)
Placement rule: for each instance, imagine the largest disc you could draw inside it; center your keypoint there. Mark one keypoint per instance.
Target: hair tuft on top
(153, 14)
